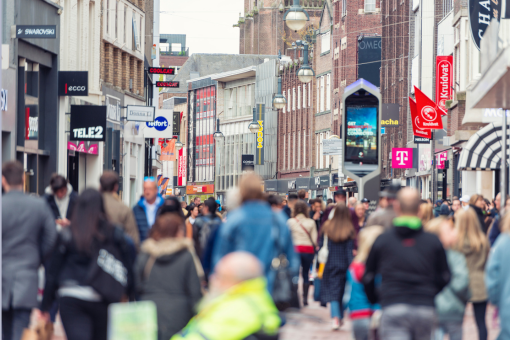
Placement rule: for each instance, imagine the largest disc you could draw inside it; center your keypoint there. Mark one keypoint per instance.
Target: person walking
(190, 220)
(361, 310)
(146, 208)
(253, 228)
(495, 229)
(168, 272)
(413, 268)
(316, 212)
(474, 245)
(497, 277)
(451, 301)
(287, 209)
(61, 197)
(28, 236)
(205, 231)
(304, 237)
(339, 234)
(89, 269)
(361, 214)
(425, 213)
(116, 211)
(385, 212)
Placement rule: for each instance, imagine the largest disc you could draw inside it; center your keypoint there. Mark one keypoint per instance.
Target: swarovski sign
(36, 31)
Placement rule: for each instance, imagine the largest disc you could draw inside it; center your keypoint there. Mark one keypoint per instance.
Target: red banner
(181, 168)
(417, 131)
(444, 81)
(428, 115)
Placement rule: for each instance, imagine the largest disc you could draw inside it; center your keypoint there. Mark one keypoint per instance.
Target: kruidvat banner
(181, 169)
(401, 158)
(428, 114)
(444, 81)
(416, 130)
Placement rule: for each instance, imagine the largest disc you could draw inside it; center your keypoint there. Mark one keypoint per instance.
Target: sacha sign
(73, 83)
(444, 80)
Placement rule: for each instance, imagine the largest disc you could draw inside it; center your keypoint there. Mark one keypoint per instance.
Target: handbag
(322, 257)
(307, 233)
(284, 289)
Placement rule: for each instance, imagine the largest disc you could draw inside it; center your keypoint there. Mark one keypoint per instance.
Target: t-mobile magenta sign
(402, 158)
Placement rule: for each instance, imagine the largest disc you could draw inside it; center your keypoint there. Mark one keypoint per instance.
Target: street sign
(161, 70)
(36, 31)
(332, 147)
(140, 113)
(167, 84)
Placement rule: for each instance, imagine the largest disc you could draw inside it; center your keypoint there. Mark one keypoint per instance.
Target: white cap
(465, 198)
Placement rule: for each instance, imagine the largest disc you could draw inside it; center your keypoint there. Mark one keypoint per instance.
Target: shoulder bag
(307, 233)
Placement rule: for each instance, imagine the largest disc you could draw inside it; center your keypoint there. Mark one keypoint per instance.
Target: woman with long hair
(304, 237)
(339, 234)
(473, 243)
(84, 309)
(477, 203)
(426, 213)
(190, 219)
(168, 272)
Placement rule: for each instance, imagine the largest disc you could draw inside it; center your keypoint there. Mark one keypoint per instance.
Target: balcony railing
(306, 3)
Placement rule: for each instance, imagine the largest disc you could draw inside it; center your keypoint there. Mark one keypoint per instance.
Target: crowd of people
(406, 270)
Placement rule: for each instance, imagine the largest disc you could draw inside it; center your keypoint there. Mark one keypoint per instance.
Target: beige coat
(299, 236)
(119, 213)
(475, 261)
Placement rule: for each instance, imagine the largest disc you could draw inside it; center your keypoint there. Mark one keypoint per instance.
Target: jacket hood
(407, 226)
(164, 250)
(48, 190)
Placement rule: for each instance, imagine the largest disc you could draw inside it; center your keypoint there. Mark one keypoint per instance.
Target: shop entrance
(73, 169)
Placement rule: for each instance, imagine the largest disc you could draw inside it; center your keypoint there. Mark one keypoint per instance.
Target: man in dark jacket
(61, 197)
(290, 205)
(28, 235)
(316, 212)
(205, 231)
(145, 210)
(413, 267)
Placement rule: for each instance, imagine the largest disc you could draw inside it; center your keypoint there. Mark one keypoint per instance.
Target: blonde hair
(474, 199)
(426, 213)
(434, 225)
(250, 187)
(469, 229)
(340, 228)
(367, 237)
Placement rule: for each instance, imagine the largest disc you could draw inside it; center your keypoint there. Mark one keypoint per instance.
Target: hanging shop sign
(401, 158)
(36, 31)
(167, 149)
(428, 114)
(441, 159)
(3, 100)
(417, 132)
(73, 83)
(271, 185)
(444, 80)
(332, 147)
(161, 70)
(247, 163)
(181, 168)
(481, 12)
(177, 123)
(140, 113)
(303, 183)
(88, 123)
(260, 116)
(161, 127)
(112, 108)
(167, 84)
(390, 115)
(200, 189)
(421, 140)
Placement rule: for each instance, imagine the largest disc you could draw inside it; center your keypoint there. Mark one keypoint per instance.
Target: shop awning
(483, 149)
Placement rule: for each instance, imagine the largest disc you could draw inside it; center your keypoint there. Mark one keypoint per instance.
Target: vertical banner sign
(444, 81)
(259, 152)
(181, 169)
(428, 116)
(414, 118)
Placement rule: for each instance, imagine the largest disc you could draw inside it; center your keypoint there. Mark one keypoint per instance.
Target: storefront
(320, 187)
(203, 191)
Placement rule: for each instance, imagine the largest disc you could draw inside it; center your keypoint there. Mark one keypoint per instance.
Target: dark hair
(274, 200)
(166, 226)
(301, 194)
(300, 208)
(13, 172)
(211, 205)
(329, 201)
(200, 205)
(171, 205)
(292, 197)
(88, 219)
(108, 181)
(340, 228)
(57, 182)
(190, 208)
(317, 200)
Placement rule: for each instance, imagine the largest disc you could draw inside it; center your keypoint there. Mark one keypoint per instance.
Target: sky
(206, 23)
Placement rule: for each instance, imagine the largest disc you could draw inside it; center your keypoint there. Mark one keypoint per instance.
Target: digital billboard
(361, 134)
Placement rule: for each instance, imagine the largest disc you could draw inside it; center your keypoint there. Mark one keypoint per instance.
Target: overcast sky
(206, 23)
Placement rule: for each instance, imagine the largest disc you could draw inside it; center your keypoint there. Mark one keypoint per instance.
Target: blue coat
(140, 212)
(497, 281)
(250, 228)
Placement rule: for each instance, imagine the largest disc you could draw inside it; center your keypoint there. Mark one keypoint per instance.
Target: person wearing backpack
(89, 269)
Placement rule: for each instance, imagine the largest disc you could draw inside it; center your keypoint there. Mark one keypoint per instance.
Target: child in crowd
(451, 301)
(361, 309)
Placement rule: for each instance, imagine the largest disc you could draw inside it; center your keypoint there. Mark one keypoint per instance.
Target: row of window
(133, 25)
(324, 93)
(294, 143)
(293, 99)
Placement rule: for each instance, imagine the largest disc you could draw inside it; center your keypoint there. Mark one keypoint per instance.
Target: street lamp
(296, 17)
(305, 72)
(254, 126)
(279, 100)
(218, 136)
(178, 144)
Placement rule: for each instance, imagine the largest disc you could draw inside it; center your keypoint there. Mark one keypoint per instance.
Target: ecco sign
(161, 127)
(73, 83)
(88, 123)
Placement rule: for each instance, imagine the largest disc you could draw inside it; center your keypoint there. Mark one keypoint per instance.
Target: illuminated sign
(161, 70)
(401, 158)
(259, 115)
(167, 84)
(361, 139)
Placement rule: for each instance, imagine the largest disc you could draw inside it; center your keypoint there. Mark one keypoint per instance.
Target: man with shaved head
(145, 210)
(238, 305)
(413, 267)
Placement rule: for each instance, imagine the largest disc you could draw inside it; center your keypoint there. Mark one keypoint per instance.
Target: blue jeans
(361, 328)
(336, 310)
(14, 321)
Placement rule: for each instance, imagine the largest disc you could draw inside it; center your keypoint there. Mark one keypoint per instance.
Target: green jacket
(245, 309)
(451, 301)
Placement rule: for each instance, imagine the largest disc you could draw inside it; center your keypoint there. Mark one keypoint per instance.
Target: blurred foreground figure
(238, 305)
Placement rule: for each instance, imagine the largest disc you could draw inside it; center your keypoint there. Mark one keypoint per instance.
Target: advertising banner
(416, 130)
(181, 169)
(369, 59)
(361, 137)
(200, 189)
(31, 122)
(248, 163)
(88, 123)
(161, 127)
(444, 81)
(428, 114)
(332, 147)
(140, 113)
(73, 83)
(92, 149)
(390, 115)
(259, 152)
(401, 158)
(168, 151)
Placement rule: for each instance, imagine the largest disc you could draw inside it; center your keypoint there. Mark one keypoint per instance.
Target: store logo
(291, 184)
(93, 132)
(260, 135)
(428, 113)
(389, 122)
(160, 123)
(402, 158)
(75, 88)
(317, 181)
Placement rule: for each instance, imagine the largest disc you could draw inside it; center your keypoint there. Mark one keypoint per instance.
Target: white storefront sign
(140, 113)
(332, 147)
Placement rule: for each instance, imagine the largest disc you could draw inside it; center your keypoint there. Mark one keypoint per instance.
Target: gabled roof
(327, 7)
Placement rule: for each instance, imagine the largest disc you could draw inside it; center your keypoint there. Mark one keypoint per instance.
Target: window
(304, 149)
(116, 20)
(294, 150)
(288, 154)
(288, 100)
(125, 23)
(284, 108)
(369, 6)
(322, 94)
(298, 150)
(107, 16)
(304, 96)
(447, 7)
(325, 42)
(310, 96)
(299, 97)
(344, 8)
(328, 92)
(317, 151)
(321, 156)
(318, 97)
(337, 12)
(327, 157)
(284, 149)
(293, 98)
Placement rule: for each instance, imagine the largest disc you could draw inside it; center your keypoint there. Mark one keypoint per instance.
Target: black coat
(50, 198)
(481, 217)
(335, 271)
